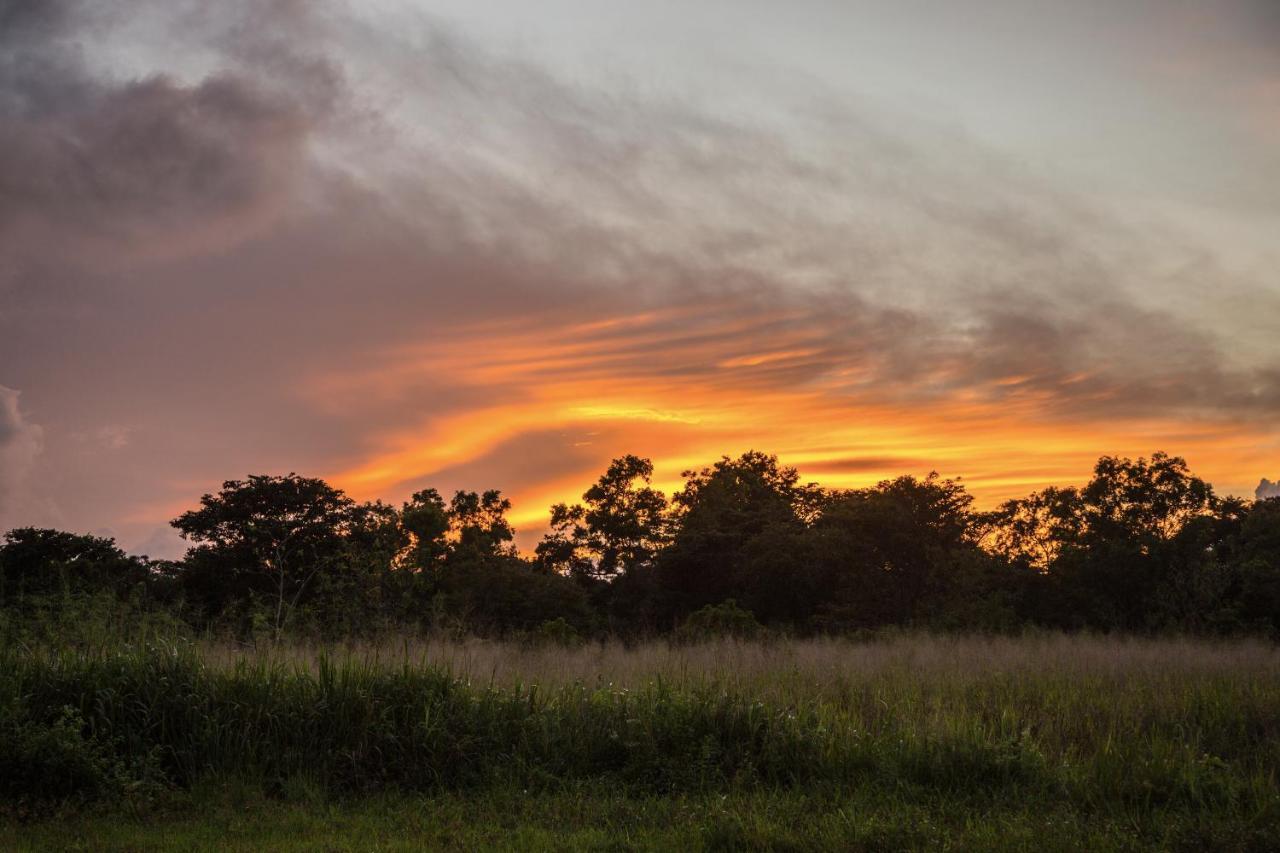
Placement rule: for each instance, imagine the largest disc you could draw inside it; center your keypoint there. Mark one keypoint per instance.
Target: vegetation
(903, 741)
(867, 818)
(755, 663)
(1143, 547)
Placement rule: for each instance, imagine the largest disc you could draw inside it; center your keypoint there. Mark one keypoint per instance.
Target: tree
(1032, 531)
(479, 527)
(363, 583)
(1113, 550)
(893, 551)
(36, 563)
(725, 516)
(619, 529)
(266, 535)
(1250, 559)
(473, 572)
(425, 520)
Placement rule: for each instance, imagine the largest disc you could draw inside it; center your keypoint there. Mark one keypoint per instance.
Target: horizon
(497, 246)
(525, 540)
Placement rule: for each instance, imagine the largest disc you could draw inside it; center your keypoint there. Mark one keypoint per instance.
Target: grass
(909, 742)
(590, 819)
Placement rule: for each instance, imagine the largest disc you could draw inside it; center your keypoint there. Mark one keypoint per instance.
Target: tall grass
(1130, 726)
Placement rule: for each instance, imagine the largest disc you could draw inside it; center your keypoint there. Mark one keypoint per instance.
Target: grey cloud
(1267, 489)
(970, 259)
(100, 171)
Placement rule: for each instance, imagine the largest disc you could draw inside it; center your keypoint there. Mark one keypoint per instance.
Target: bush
(725, 619)
(351, 727)
(557, 632)
(44, 763)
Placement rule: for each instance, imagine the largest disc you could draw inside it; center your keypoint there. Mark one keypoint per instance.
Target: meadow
(903, 741)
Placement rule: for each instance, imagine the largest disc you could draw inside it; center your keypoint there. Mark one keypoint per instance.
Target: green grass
(592, 818)
(909, 743)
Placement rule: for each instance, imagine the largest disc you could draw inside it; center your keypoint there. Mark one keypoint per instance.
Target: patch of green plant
(725, 619)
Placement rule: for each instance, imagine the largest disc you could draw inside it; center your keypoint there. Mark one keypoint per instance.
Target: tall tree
(619, 527)
(1111, 549)
(268, 534)
(724, 519)
(1250, 558)
(425, 519)
(900, 552)
(364, 584)
(479, 527)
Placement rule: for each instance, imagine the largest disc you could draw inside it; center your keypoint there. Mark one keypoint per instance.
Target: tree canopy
(1143, 546)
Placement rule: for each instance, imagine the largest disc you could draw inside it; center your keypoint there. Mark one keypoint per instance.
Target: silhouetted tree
(1109, 549)
(893, 552)
(1250, 559)
(476, 577)
(363, 585)
(724, 518)
(619, 527)
(1143, 546)
(265, 535)
(425, 520)
(479, 527)
(37, 563)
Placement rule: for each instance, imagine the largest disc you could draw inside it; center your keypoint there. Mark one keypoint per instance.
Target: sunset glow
(404, 245)
(671, 386)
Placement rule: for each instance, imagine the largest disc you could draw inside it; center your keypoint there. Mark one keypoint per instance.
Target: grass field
(910, 742)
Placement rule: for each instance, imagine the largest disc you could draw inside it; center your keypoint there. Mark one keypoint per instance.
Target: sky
(495, 245)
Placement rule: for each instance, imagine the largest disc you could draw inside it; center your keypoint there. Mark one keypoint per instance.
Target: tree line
(1144, 546)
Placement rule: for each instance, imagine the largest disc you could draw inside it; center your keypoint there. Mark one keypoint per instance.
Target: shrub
(44, 763)
(558, 632)
(725, 619)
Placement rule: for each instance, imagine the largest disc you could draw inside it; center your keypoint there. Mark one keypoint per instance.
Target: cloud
(102, 171)
(1266, 489)
(20, 445)
(270, 236)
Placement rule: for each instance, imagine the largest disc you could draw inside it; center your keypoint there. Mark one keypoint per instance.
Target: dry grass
(1143, 734)
(1076, 695)
(820, 664)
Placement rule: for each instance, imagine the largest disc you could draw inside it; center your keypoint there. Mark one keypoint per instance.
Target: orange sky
(683, 386)
(471, 246)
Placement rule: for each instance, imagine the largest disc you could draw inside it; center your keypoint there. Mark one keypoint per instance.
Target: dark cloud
(150, 163)
(860, 464)
(40, 65)
(98, 171)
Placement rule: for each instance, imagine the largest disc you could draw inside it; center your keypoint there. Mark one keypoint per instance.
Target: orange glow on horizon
(684, 389)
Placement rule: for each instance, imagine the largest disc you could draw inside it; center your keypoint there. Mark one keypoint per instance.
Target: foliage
(1143, 546)
(557, 632)
(893, 552)
(725, 619)
(36, 565)
(265, 536)
(621, 527)
(52, 760)
(1135, 744)
(724, 516)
